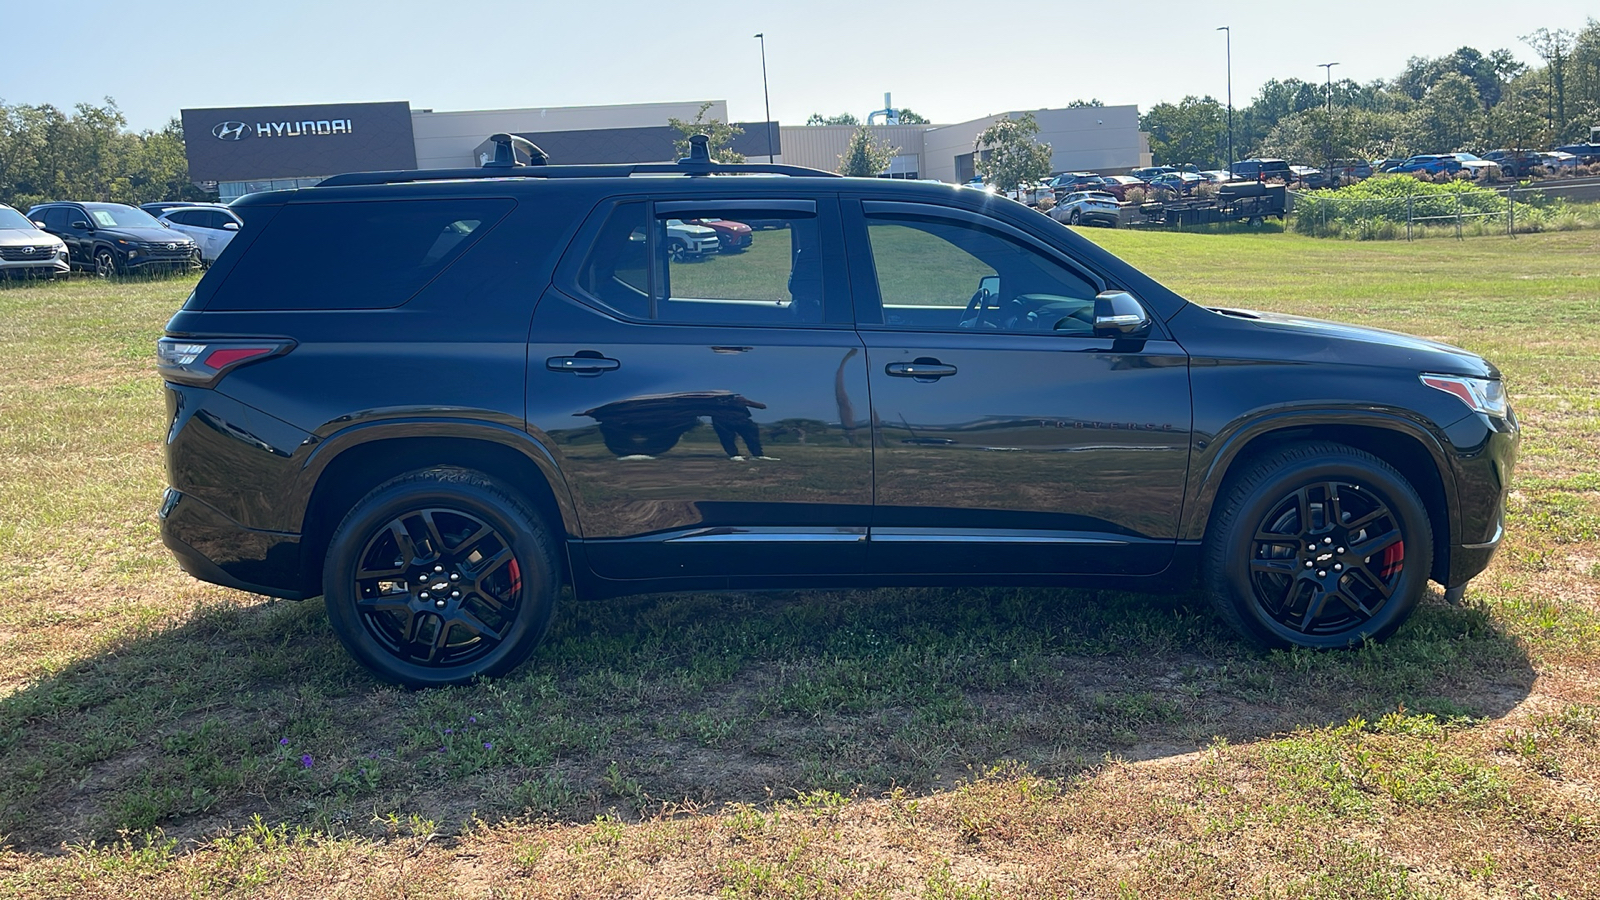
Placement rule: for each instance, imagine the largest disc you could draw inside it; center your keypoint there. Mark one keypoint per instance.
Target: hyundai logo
(27, 251)
(231, 131)
(172, 246)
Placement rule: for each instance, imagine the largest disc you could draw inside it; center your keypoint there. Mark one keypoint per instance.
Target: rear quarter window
(356, 255)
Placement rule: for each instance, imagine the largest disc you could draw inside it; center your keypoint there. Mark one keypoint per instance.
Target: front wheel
(1075, 217)
(1318, 545)
(105, 263)
(439, 577)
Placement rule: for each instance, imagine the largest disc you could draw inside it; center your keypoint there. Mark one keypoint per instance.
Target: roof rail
(698, 162)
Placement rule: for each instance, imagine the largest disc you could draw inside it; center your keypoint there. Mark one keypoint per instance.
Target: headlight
(1479, 394)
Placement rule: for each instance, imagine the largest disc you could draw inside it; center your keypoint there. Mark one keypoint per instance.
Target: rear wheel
(439, 577)
(1318, 545)
(1075, 217)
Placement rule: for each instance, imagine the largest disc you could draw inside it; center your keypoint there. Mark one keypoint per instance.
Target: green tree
(907, 117)
(721, 134)
(1448, 118)
(1009, 155)
(843, 118)
(1368, 134)
(865, 157)
(1195, 130)
(1081, 104)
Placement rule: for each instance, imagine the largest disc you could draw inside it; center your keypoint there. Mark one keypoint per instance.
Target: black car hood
(143, 234)
(1339, 342)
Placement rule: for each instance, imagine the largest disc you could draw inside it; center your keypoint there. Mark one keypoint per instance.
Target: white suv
(27, 250)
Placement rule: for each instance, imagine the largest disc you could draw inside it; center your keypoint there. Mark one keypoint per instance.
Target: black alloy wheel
(105, 263)
(439, 577)
(1318, 545)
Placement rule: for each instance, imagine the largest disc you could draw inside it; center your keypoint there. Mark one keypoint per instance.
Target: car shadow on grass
(643, 703)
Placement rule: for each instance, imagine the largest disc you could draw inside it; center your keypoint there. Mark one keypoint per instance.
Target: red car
(733, 236)
(1117, 185)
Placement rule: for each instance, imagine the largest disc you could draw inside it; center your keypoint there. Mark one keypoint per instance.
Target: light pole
(764, 95)
(1328, 68)
(1229, 36)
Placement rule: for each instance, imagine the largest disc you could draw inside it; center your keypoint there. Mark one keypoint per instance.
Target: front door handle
(920, 369)
(582, 365)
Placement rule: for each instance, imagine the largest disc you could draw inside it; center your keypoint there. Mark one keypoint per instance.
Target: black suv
(506, 383)
(113, 239)
(1261, 170)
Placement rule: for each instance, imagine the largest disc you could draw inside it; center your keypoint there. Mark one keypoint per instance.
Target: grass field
(160, 737)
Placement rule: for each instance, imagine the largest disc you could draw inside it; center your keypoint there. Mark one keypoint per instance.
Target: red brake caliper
(515, 572)
(1391, 561)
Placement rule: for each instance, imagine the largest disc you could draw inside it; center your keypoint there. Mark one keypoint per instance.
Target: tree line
(89, 154)
(1466, 100)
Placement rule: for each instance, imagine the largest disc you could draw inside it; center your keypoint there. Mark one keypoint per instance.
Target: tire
(678, 249)
(1360, 585)
(1075, 217)
(1256, 221)
(105, 263)
(439, 577)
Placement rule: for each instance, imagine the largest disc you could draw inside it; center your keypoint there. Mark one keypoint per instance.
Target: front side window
(936, 274)
(743, 266)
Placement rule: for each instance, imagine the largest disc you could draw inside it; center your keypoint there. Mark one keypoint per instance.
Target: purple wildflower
(305, 760)
(488, 745)
(449, 731)
(472, 719)
(283, 742)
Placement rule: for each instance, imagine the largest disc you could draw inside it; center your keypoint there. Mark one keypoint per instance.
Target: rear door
(1008, 438)
(709, 411)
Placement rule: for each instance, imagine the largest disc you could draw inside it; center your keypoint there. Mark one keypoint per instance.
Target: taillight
(202, 362)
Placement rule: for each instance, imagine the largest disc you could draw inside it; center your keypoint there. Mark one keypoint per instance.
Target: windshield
(10, 218)
(1466, 157)
(114, 216)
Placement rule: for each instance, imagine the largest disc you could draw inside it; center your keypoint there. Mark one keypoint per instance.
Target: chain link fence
(1511, 211)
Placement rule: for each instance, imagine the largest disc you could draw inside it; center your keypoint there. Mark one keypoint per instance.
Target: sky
(950, 61)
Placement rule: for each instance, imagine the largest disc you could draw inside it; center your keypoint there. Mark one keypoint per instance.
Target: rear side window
(365, 255)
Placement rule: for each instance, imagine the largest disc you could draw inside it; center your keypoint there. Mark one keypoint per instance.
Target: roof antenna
(699, 151)
(505, 152)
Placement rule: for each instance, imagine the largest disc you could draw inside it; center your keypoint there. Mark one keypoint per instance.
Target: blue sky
(949, 61)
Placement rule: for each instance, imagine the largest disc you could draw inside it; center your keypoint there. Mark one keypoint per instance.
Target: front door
(709, 408)
(1009, 439)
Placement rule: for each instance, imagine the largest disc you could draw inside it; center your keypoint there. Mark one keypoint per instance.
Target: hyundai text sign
(258, 143)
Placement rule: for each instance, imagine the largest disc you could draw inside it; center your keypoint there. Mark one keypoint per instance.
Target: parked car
(26, 250)
(1087, 208)
(1309, 177)
(1350, 170)
(1217, 176)
(1559, 162)
(1428, 164)
(686, 241)
(159, 207)
(211, 227)
(1068, 182)
(1516, 163)
(1313, 476)
(1586, 153)
(732, 236)
(113, 239)
(1118, 185)
(1148, 173)
(1181, 182)
(1262, 169)
(1478, 168)
(1031, 194)
(1386, 163)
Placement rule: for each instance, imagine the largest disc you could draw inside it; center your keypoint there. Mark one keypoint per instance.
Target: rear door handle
(582, 365)
(919, 370)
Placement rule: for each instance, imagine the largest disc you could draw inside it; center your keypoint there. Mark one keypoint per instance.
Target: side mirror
(81, 225)
(1120, 315)
(230, 226)
(990, 283)
(38, 224)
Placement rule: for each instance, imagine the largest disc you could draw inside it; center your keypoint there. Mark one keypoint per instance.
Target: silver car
(28, 251)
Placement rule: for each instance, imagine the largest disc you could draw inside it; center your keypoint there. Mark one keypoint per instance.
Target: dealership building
(241, 150)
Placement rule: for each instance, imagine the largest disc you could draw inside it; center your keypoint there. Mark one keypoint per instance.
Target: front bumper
(1486, 453)
(51, 265)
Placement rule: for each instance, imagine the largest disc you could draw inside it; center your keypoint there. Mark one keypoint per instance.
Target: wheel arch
(339, 481)
(1412, 451)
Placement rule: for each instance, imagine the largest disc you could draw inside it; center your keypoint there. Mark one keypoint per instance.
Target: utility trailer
(1248, 201)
